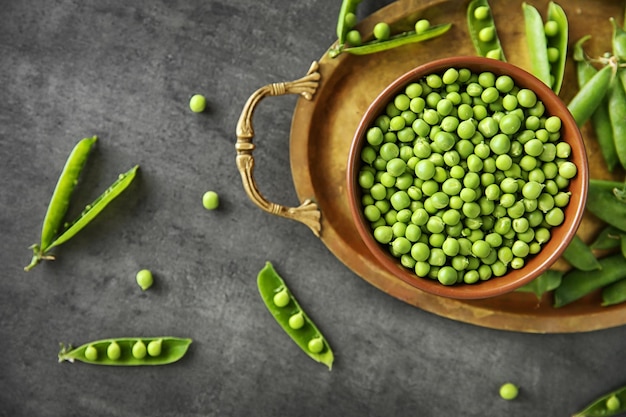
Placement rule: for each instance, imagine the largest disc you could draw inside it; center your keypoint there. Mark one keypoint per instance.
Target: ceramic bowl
(560, 235)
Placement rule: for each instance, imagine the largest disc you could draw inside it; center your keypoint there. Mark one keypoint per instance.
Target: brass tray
(334, 95)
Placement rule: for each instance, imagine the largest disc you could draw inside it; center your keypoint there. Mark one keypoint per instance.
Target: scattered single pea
(197, 103)
(509, 391)
(422, 25)
(144, 279)
(210, 200)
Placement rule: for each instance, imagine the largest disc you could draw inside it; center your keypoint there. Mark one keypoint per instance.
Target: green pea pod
(614, 293)
(347, 7)
(600, 118)
(537, 44)
(604, 204)
(579, 255)
(577, 284)
(60, 201)
(617, 114)
(400, 39)
(619, 41)
(558, 41)
(482, 30)
(609, 238)
(93, 209)
(170, 350)
(609, 404)
(285, 309)
(548, 281)
(589, 97)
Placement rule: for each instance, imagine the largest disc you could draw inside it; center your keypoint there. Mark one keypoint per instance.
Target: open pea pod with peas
(52, 234)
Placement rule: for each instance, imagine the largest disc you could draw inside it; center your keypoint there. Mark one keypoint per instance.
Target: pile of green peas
(463, 176)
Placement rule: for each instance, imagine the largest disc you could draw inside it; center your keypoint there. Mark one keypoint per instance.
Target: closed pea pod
(482, 29)
(614, 293)
(60, 200)
(610, 404)
(600, 119)
(579, 255)
(590, 95)
(617, 114)
(123, 351)
(576, 284)
(604, 204)
(307, 337)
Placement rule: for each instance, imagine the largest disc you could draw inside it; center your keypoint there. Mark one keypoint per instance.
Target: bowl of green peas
(467, 177)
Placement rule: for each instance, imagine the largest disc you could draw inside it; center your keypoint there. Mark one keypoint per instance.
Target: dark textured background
(125, 71)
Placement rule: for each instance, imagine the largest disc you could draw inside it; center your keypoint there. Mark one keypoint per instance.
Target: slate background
(125, 71)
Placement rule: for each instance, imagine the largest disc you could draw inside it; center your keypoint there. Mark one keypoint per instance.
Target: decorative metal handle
(307, 212)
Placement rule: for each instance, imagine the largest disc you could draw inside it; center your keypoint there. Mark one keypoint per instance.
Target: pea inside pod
(128, 351)
(610, 404)
(288, 313)
(482, 30)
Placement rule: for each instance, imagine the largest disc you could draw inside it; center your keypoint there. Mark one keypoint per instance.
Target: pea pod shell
(602, 202)
(347, 6)
(476, 25)
(172, 350)
(559, 41)
(577, 284)
(60, 200)
(609, 238)
(619, 40)
(614, 293)
(401, 39)
(269, 283)
(598, 407)
(589, 97)
(579, 255)
(537, 44)
(96, 206)
(548, 281)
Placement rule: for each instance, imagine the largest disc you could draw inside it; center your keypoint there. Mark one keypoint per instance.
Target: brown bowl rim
(551, 251)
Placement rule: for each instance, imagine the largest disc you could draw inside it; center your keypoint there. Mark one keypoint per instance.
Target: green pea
(383, 234)
(281, 298)
(144, 279)
(197, 103)
(500, 144)
(155, 347)
(316, 345)
(374, 136)
(139, 350)
(567, 169)
(509, 391)
(510, 124)
(413, 90)
(91, 353)
(353, 38)
(526, 98)
(382, 31)
(555, 216)
(296, 321)
(481, 249)
(447, 275)
(114, 351)
(421, 26)
(425, 169)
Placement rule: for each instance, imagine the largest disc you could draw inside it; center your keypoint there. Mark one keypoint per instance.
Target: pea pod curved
(491, 46)
(171, 350)
(609, 404)
(282, 305)
(579, 255)
(400, 39)
(60, 200)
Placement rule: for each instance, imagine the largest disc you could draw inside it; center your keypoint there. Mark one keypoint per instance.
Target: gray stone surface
(124, 71)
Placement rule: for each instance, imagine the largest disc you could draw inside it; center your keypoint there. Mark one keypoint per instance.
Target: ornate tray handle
(307, 212)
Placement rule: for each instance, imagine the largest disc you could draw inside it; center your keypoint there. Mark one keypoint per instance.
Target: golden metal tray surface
(334, 95)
